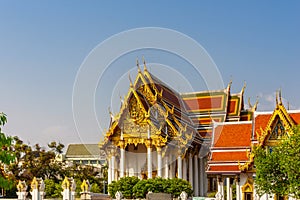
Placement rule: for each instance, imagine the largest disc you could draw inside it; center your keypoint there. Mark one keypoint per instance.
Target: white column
(109, 170)
(113, 158)
(184, 169)
(220, 186)
(222, 189)
(228, 187)
(196, 175)
(179, 166)
(166, 167)
(149, 161)
(201, 177)
(237, 188)
(172, 167)
(122, 162)
(191, 170)
(159, 162)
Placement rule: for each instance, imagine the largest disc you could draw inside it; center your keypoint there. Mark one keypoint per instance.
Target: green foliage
(96, 188)
(278, 171)
(133, 187)
(6, 155)
(124, 185)
(40, 162)
(52, 189)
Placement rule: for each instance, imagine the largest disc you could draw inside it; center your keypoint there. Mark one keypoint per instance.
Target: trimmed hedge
(132, 187)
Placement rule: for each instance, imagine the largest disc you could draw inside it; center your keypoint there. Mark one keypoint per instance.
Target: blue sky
(44, 43)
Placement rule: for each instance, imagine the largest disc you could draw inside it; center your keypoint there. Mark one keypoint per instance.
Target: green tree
(6, 155)
(289, 158)
(277, 168)
(52, 189)
(124, 185)
(133, 187)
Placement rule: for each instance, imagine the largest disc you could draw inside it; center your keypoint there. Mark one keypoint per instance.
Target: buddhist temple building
(203, 137)
(231, 160)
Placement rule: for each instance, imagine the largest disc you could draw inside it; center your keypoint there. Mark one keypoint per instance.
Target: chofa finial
(244, 87)
(279, 94)
(131, 84)
(144, 62)
(138, 65)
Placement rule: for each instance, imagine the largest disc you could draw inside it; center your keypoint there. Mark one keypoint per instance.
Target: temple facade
(203, 137)
(231, 159)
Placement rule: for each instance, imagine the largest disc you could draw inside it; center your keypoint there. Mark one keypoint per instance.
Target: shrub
(133, 187)
(124, 185)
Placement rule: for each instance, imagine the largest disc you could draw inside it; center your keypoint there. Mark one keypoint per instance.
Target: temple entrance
(247, 190)
(248, 196)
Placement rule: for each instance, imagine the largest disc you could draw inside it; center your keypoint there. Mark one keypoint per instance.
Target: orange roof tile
(232, 135)
(224, 168)
(205, 103)
(229, 156)
(295, 117)
(261, 121)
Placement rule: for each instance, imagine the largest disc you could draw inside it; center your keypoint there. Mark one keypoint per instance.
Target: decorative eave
(281, 112)
(180, 134)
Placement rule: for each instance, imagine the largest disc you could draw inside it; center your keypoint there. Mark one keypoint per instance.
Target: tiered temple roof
(208, 107)
(232, 142)
(184, 113)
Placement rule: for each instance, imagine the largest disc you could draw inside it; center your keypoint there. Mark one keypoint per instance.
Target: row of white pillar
(229, 188)
(184, 167)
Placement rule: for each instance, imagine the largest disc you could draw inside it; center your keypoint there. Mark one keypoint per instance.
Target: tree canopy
(133, 187)
(277, 168)
(6, 155)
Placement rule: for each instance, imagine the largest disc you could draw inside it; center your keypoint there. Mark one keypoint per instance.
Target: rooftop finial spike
(249, 103)
(229, 84)
(256, 103)
(276, 98)
(138, 65)
(244, 87)
(131, 84)
(145, 67)
(280, 99)
(111, 114)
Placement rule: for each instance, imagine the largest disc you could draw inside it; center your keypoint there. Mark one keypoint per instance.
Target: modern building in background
(85, 154)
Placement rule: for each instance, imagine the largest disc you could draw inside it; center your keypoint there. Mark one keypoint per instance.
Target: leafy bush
(124, 185)
(132, 187)
(52, 189)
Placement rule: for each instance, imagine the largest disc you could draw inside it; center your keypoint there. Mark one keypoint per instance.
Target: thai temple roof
(188, 116)
(232, 142)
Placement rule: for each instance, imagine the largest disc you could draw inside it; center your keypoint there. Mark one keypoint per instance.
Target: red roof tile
(261, 121)
(224, 168)
(232, 135)
(205, 103)
(295, 117)
(229, 156)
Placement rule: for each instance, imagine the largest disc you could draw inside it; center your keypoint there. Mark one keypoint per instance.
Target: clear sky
(44, 43)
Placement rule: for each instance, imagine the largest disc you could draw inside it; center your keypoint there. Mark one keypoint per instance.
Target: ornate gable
(279, 124)
(144, 113)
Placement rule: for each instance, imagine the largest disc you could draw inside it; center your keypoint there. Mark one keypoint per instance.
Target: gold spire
(276, 98)
(145, 67)
(244, 87)
(138, 65)
(254, 107)
(131, 84)
(280, 99)
(255, 104)
(111, 114)
(229, 84)
(249, 103)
